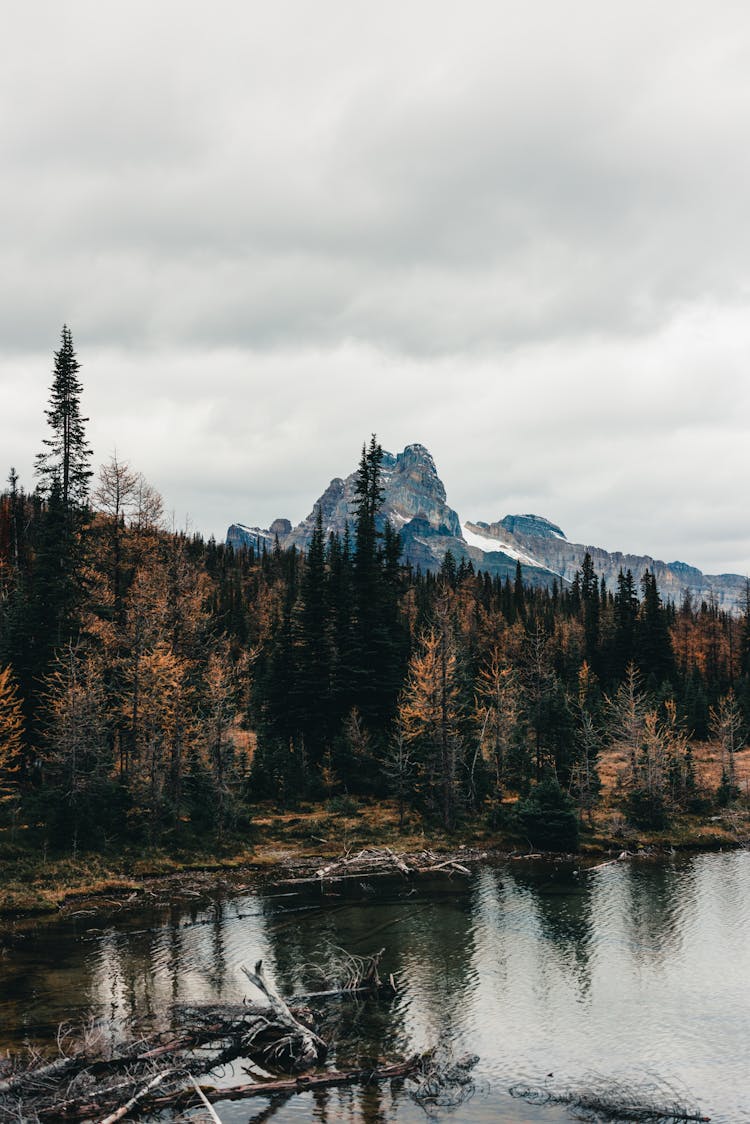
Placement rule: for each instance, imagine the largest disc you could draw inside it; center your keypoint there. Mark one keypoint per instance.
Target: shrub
(547, 817)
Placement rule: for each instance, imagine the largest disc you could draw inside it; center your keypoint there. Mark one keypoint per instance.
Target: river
(632, 976)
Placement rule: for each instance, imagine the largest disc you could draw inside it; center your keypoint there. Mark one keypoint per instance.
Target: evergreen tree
(66, 460)
(311, 690)
(519, 599)
(655, 653)
(377, 650)
(625, 621)
(547, 817)
(590, 600)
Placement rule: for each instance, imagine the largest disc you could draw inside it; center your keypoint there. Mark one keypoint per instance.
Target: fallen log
(58, 1068)
(95, 1083)
(294, 1084)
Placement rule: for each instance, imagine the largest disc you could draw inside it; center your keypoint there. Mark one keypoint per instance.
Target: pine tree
(67, 458)
(655, 652)
(590, 599)
(625, 620)
(311, 691)
(376, 649)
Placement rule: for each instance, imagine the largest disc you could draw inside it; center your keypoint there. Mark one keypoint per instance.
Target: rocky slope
(415, 503)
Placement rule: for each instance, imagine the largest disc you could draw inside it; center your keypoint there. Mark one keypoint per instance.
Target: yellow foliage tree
(428, 713)
(11, 736)
(497, 713)
(78, 759)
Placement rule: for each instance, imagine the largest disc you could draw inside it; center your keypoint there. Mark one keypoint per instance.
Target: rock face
(239, 534)
(412, 490)
(415, 504)
(547, 545)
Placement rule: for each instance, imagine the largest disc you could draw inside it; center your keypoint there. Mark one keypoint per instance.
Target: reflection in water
(549, 972)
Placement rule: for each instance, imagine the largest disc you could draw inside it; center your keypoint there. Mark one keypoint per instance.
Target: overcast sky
(518, 234)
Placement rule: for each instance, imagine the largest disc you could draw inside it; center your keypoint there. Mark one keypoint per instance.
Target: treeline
(154, 687)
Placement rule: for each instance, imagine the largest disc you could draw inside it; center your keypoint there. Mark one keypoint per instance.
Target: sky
(517, 234)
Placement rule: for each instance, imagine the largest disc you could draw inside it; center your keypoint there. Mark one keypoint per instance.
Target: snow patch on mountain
(488, 543)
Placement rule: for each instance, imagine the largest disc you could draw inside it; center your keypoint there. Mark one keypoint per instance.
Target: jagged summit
(535, 525)
(415, 503)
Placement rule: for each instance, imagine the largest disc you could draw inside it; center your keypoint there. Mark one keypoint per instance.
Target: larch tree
(116, 496)
(11, 738)
(78, 759)
(727, 727)
(219, 711)
(497, 715)
(429, 714)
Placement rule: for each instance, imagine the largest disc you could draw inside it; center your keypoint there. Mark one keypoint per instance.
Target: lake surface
(631, 975)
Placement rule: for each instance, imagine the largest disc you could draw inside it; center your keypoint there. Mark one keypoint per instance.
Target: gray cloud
(518, 236)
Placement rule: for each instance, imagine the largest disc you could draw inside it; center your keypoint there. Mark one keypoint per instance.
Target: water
(555, 975)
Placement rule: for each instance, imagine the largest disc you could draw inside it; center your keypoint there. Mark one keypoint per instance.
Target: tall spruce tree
(54, 590)
(368, 654)
(625, 620)
(655, 652)
(378, 648)
(591, 605)
(311, 691)
(67, 457)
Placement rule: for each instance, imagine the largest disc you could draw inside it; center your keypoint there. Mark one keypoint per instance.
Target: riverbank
(34, 884)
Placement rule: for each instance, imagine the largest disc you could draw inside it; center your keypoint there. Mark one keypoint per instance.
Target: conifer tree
(655, 653)
(625, 620)
(311, 690)
(590, 599)
(11, 736)
(429, 713)
(375, 649)
(55, 593)
(68, 454)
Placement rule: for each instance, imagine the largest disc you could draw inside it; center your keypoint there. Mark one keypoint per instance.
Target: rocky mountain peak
(534, 525)
(415, 504)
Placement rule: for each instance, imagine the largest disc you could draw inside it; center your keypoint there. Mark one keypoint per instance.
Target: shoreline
(36, 889)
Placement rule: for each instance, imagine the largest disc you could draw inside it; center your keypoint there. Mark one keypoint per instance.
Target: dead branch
(378, 862)
(139, 1096)
(301, 1044)
(207, 1104)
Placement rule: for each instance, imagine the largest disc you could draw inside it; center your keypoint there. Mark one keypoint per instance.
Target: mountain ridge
(415, 502)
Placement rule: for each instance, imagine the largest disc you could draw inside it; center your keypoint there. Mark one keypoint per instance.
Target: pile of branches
(347, 975)
(373, 862)
(91, 1080)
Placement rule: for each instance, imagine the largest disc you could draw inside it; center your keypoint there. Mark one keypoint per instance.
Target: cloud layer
(518, 236)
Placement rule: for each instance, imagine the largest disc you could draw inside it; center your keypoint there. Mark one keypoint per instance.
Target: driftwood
(283, 1036)
(204, 1101)
(298, 1084)
(374, 862)
(95, 1084)
(139, 1096)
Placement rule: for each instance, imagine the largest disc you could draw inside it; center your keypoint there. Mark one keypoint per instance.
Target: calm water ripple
(631, 974)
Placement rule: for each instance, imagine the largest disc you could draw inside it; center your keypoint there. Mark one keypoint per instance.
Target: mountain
(416, 505)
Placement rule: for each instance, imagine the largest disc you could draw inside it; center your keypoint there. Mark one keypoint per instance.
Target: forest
(158, 689)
